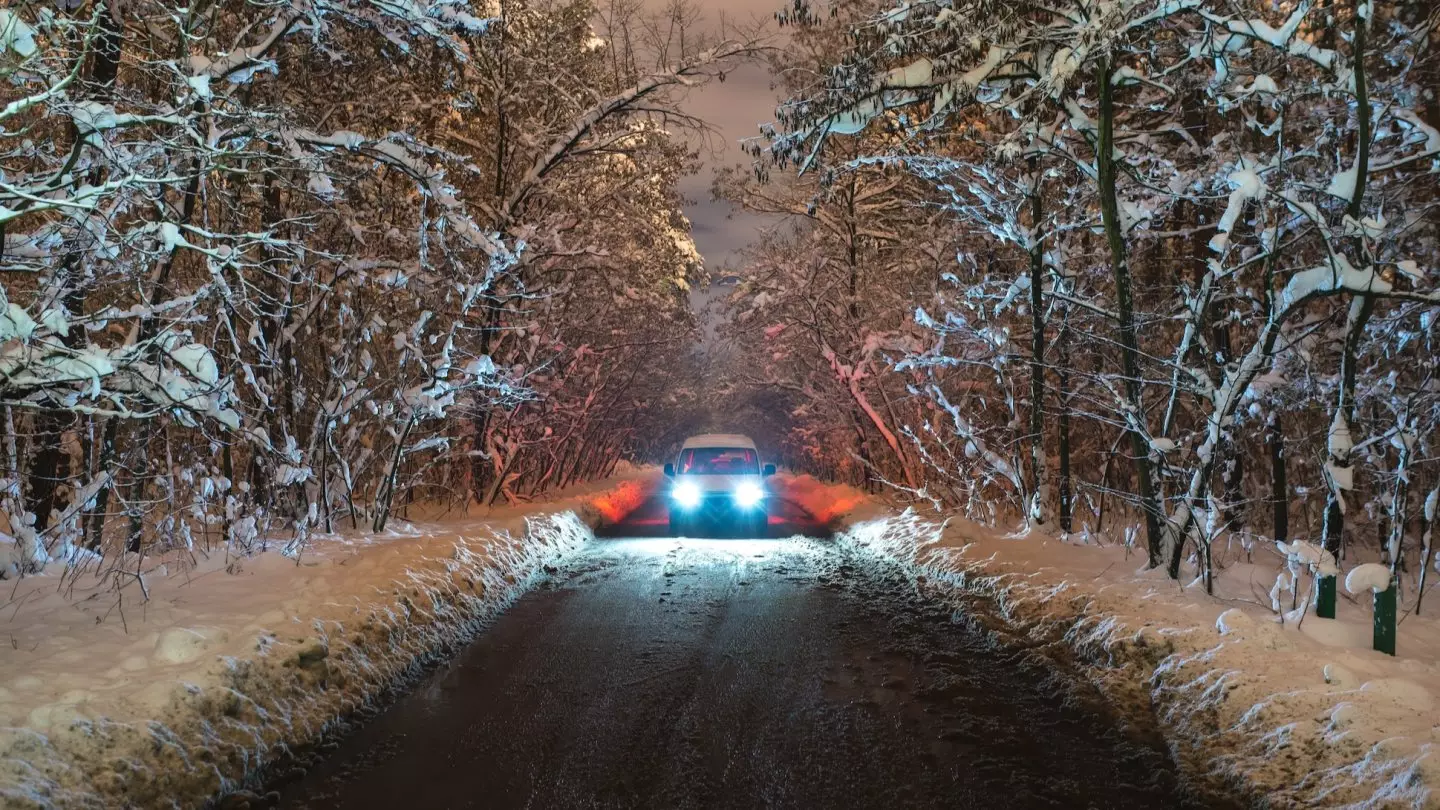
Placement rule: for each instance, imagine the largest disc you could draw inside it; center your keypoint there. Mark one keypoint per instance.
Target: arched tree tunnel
(1151, 278)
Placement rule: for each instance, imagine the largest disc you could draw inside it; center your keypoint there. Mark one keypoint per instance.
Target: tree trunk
(386, 495)
(51, 466)
(134, 542)
(1427, 542)
(1063, 402)
(1232, 479)
(325, 473)
(1360, 310)
(1036, 510)
(1340, 474)
(1129, 343)
(853, 382)
(479, 468)
(1279, 487)
(1399, 505)
(501, 475)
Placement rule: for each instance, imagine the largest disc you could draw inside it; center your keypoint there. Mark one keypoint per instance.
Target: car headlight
(686, 494)
(748, 493)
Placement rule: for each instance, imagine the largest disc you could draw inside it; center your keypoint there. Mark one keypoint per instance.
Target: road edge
(224, 725)
(1228, 731)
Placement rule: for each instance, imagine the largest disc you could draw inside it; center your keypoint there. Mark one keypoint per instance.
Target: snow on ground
(108, 699)
(111, 699)
(1295, 713)
(830, 504)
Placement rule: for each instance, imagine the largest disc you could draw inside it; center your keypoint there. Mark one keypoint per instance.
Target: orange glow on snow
(829, 509)
(622, 500)
(826, 502)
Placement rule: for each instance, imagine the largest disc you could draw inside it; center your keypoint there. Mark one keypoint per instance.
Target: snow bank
(621, 498)
(831, 504)
(1292, 715)
(108, 699)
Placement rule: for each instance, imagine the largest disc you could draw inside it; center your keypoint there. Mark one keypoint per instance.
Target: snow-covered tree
(1216, 199)
(270, 265)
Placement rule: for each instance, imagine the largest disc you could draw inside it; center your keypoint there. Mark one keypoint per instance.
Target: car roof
(718, 440)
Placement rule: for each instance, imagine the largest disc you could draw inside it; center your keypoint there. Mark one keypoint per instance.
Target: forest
(1161, 271)
(278, 268)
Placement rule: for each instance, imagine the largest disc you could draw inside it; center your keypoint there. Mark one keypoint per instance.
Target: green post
(1385, 619)
(1325, 599)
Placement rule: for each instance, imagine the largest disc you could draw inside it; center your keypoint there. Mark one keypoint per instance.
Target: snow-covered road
(654, 672)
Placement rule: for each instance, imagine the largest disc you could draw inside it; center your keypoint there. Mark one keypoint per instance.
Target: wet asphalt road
(775, 673)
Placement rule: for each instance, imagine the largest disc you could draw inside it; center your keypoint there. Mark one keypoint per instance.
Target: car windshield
(719, 461)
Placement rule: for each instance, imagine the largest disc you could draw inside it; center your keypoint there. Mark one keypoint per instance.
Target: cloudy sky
(735, 108)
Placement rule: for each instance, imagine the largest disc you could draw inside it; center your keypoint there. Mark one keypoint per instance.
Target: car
(717, 483)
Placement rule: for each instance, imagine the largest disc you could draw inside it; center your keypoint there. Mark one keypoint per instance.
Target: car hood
(717, 483)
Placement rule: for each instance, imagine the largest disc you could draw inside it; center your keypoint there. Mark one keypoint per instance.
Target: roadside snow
(830, 504)
(1297, 713)
(110, 699)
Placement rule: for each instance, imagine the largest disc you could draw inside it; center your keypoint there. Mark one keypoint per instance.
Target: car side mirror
(769, 469)
(669, 470)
